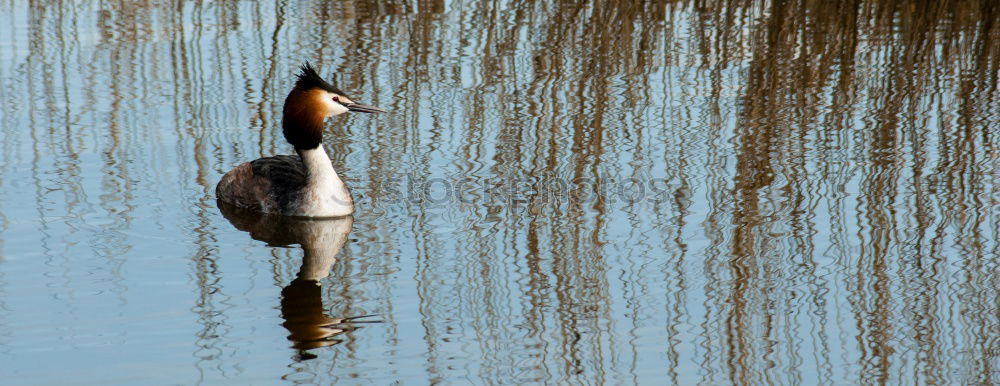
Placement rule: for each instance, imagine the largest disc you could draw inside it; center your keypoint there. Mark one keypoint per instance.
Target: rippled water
(699, 192)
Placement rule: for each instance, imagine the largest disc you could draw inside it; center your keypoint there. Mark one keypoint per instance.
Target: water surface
(701, 192)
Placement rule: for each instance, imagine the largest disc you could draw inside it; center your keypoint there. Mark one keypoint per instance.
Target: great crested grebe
(303, 185)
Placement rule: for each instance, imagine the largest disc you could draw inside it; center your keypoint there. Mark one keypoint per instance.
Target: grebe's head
(310, 102)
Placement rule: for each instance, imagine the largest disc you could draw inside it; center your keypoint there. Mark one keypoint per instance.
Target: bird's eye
(336, 99)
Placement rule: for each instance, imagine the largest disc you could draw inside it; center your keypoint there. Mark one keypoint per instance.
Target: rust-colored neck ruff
(302, 122)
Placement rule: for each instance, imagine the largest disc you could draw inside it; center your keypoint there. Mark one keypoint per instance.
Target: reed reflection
(321, 240)
(778, 184)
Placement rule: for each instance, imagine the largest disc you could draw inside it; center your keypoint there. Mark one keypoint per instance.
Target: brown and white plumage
(304, 184)
(270, 185)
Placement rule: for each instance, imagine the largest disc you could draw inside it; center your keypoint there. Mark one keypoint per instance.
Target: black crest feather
(309, 79)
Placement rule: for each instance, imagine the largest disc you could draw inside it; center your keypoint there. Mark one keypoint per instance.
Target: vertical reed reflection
(825, 202)
(788, 74)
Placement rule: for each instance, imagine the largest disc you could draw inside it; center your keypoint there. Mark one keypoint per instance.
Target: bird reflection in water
(301, 300)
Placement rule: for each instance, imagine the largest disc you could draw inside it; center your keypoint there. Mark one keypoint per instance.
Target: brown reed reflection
(301, 300)
(791, 64)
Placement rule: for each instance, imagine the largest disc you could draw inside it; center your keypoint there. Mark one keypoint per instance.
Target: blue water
(629, 193)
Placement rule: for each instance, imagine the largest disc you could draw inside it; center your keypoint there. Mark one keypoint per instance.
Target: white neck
(325, 195)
